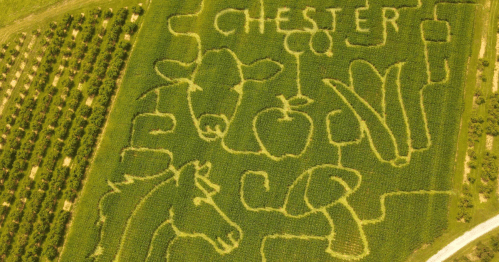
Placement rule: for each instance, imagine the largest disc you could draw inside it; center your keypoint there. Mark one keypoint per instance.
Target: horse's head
(195, 213)
(216, 81)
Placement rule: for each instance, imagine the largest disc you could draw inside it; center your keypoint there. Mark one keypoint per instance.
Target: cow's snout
(213, 126)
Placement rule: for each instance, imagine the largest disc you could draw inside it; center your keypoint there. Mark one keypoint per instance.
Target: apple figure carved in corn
(284, 132)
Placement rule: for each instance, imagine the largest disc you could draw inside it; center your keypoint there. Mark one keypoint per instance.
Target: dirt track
(465, 239)
(50, 13)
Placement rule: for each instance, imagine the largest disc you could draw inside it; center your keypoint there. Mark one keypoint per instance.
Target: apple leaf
(299, 101)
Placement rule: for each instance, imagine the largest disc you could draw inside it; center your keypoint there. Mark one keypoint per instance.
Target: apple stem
(286, 107)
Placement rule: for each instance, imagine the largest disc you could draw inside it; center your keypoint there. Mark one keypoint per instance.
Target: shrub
(113, 72)
(130, 28)
(98, 116)
(108, 14)
(490, 167)
(125, 45)
(95, 12)
(138, 10)
(483, 252)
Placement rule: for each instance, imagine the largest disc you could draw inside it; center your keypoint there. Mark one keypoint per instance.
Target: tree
(98, 116)
(108, 14)
(85, 149)
(130, 28)
(69, 195)
(66, 20)
(113, 72)
(31, 137)
(50, 252)
(58, 144)
(74, 184)
(66, 53)
(103, 100)
(52, 25)
(9, 120)
(494, 242)
(96, 41)
(138, 10)
(66, 82)
(18, 133)
(84, 110)
(484, 252)
(95, 12)
(70, 45)
(102, 60)
(9, 185)
(60, 32)
(100, 72)
(118, 62)
(73, 64)
(92, 130)
(84, 78)
(71, 146)
(87, 68)
(22, 154)
(78, 54)
(86, 36)
(125, 45)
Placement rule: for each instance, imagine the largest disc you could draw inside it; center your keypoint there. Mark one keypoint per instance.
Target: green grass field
(271, 131)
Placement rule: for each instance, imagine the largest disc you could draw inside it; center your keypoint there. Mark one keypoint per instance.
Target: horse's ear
(173, 69)
(204, 170)
(203, 181)
(262, 70)
(186, 175)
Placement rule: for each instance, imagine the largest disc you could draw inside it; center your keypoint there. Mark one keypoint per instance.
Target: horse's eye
(197, 201)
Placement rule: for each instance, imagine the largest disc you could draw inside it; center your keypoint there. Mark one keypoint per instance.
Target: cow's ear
(262, 70)
(145, 162)
(173, 70)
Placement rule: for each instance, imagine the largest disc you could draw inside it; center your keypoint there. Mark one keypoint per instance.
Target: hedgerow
(492, 127)
(465, 204)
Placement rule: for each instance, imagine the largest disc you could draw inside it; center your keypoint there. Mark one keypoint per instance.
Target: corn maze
(267, 131)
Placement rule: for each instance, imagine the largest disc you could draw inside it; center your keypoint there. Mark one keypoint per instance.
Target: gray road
(465, 239)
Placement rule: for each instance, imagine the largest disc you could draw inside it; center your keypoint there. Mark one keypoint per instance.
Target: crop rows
(52, 124)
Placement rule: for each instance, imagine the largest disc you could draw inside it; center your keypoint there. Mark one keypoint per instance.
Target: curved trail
(465, 239)
(46, 15)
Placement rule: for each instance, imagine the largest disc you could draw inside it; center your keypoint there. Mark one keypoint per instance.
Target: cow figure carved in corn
(267, 154)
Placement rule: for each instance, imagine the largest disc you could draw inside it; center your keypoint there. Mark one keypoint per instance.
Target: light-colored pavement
(465, 239)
